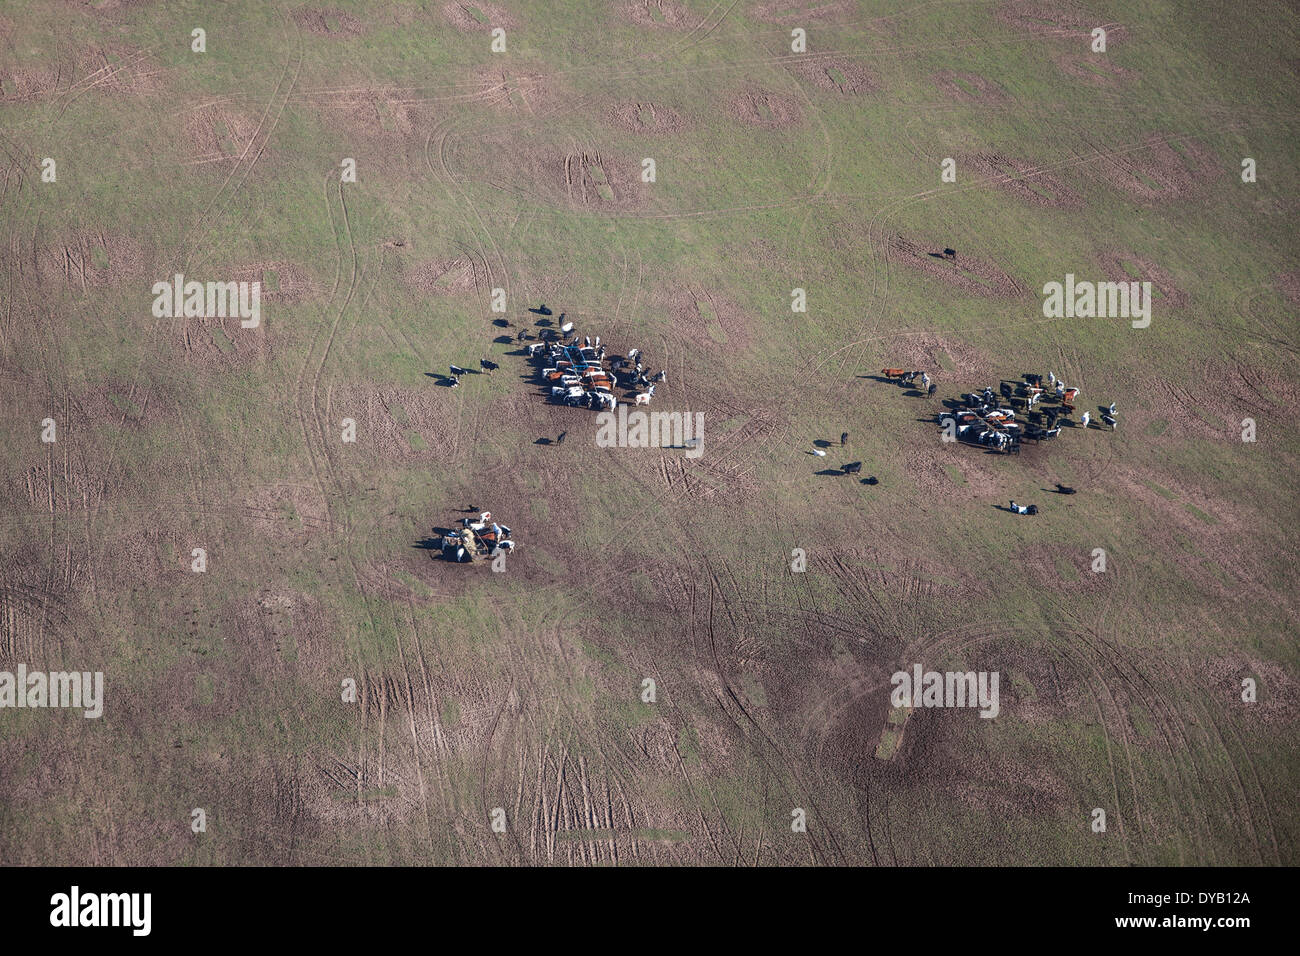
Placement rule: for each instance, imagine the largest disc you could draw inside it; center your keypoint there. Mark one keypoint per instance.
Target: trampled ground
(522, 690)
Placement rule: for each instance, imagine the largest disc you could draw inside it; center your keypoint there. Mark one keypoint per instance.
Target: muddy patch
(968, 274)
(328, 23)
(762, 108)
(1025, 181)
(838, 74)
(970, 87)
(646, 118)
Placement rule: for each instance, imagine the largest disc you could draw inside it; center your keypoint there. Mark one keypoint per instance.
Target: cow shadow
(830, 471)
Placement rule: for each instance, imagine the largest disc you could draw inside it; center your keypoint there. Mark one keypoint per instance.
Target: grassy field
(521, 171)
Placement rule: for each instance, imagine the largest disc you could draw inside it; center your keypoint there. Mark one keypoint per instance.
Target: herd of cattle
(578, 374)
(993, 419)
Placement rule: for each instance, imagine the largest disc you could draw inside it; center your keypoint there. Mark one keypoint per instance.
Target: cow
(487, 366)
(1085, 419)
(853, 467)
(844, 439)
(1063, 489)
(892, 372)
(931, 390)
(1109, 420)
(643, 398)
(457, 370)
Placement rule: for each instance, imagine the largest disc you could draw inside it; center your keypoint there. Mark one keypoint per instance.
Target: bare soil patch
(700, 316)
(282, 282)
(1025, 182)
(1288, 283)
(795, 13)
(602, 180)
(218, 135)
(969, 274)
(91, 260)
(926, 350)
(113, 68)
(328, 22)
(399, 424)
(1160, 171)
(447, 276)
(1278, 700)
(1127, 267)
(1062, 19)
(646, 118)
(666, 14)
(756, 107)
(1095, 70)
(477, 16)
(840, 74)
(970, 87)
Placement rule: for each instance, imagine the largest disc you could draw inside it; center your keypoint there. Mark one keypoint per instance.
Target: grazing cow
(925, 380)
(456, 370)
(535, 349)
(853, 467)
(950, 254)
(487, 366)
(892, 372)
(1063, 489)
(1071, 394)
(1085, 419)
(632, 354)
(931, 390)
(661, 376)
(1109, 420)
(1060, 389)
(455, 381)
(644, 399)
(844, 439)
(873, 480)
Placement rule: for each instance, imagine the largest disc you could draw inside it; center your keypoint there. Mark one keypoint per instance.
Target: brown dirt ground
(601, 180)
(1060, 19)
(1288, 283)
(792, 13)
(293, 283)
(970, 275)
(327, 22)
(1170, 297)
(375, 113)
(757, 107)
(91, 260)
(449, 276)
(1019, 179)
(837, 73)
(646, 118)
(112, 68)
(462, 19)
(1160, 172)
(955, 84)
(218, 135)
(923, 349)
(665, 14)
(1107, 73)
(1278, 693)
